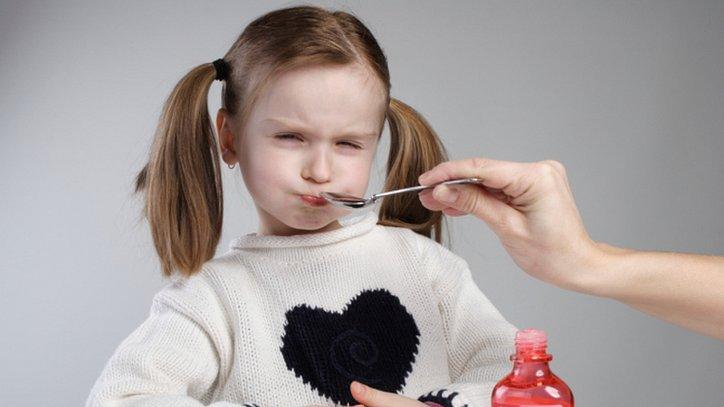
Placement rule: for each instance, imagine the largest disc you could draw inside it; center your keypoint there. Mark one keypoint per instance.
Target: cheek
(266, 175)
(356, 173)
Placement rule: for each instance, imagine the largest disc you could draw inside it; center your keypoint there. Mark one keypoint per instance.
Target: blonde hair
(182, 180)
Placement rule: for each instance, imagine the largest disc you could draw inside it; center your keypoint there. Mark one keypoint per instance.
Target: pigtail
(414, 149)
(182, 181)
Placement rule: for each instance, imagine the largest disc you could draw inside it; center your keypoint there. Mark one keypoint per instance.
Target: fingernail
(447, 195)
(359, 387)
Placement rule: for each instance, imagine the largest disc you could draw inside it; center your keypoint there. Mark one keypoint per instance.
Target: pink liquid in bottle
(531, 383)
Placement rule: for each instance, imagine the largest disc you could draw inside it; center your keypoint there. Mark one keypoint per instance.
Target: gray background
(628, 95)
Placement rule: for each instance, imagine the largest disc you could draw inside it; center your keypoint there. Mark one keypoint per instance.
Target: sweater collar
(352, 225)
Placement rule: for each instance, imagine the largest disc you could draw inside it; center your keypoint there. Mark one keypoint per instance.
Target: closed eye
(351, 145)
(287, 136)
(292, 137)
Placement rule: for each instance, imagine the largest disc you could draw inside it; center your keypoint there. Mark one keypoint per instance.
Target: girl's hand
(529, 206)
(370, 397)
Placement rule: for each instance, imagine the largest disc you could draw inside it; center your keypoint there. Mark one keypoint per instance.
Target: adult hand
(371, 397)
(531, 208)
(528, 205)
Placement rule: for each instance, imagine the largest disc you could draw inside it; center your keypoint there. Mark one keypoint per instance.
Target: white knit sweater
(292, 320)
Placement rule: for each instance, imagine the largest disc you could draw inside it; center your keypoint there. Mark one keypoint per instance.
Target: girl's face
(312, 129)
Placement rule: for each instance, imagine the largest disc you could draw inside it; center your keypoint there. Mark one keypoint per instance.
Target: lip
(313, 200)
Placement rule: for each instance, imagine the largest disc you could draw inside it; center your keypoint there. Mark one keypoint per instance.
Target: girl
(294, 314)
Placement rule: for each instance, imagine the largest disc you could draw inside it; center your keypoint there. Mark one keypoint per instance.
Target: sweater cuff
(462, 394)
(445, 397)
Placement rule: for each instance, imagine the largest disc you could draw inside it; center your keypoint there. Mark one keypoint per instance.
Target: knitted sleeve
(171, 359)
(479, 340)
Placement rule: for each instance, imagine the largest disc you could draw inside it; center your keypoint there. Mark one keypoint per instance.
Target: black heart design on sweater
(373, 341)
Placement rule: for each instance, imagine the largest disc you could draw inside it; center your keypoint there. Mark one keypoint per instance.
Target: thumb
(476, 200)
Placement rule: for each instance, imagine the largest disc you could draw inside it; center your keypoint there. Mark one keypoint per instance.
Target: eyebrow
(288, 124)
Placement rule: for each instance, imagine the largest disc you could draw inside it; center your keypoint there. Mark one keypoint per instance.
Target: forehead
(326, 98)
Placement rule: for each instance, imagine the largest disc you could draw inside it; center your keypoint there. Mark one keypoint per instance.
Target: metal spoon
(355, 202)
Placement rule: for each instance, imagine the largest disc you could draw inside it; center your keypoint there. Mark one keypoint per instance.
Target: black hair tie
(222, 69)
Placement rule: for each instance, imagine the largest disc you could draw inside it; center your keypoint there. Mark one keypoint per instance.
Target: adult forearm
(683, 289)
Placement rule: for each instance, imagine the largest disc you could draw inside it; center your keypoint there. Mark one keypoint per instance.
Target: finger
(453, 212)
(488, 206)
(429, 202)
(502, 175)
(371, 397)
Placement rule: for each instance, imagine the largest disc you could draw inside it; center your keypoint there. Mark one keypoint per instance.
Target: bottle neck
(531, 356)
(530, 366)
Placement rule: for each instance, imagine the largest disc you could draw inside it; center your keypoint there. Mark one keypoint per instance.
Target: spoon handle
(421, 187)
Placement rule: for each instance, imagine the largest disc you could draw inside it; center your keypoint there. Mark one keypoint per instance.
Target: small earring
(224, 151)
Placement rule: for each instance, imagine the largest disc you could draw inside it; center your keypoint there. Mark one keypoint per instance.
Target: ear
(226, 136)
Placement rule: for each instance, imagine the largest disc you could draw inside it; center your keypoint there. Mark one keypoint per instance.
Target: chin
(305, 222)
(312, 222)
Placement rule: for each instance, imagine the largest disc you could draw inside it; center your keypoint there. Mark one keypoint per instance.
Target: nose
(317, 166)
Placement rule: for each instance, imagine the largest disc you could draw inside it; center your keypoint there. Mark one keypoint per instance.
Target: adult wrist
(594, 275)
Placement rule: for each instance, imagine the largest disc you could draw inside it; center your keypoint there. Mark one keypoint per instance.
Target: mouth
(314, 200)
